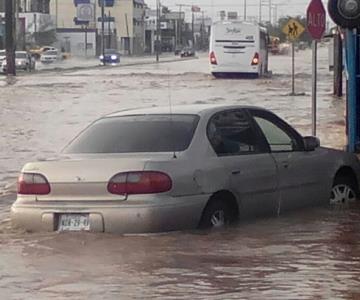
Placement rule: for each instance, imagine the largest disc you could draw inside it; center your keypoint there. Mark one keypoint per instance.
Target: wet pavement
(311, 254)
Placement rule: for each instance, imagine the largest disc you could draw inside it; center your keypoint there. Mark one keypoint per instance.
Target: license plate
(74, 222)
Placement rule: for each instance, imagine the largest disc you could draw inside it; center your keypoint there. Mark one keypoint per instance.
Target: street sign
(85, 12)
(316, 19)
(293, 29)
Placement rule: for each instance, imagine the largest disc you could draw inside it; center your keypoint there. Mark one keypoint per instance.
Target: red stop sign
(316, 19)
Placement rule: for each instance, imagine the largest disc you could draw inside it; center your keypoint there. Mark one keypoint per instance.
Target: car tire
(216, 214)
(343, 191)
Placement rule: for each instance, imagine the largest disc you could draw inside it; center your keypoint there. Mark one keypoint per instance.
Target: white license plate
(74, 222)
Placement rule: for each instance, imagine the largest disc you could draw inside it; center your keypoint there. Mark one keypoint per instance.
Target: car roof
(190, 109)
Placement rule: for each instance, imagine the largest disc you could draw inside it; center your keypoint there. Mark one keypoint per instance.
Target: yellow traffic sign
(293, 29)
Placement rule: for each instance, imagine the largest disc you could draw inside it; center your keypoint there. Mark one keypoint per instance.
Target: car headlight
(101, 56)
(19, 62)
(113, 57)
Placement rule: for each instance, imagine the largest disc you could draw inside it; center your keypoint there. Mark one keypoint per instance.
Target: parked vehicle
(203, 166)
(23, 61)
(238, 48)
(49, 56)
(187, 51)
(111, 56)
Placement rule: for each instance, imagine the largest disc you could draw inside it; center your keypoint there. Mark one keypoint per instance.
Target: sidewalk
(81, 63)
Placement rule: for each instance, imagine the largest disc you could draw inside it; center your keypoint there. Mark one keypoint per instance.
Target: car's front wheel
(216, 214)
(343, 191)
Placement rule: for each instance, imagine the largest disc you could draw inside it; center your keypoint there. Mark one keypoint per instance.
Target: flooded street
(310, 254)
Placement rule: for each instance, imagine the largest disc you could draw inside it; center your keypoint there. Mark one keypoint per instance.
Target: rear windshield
(20, 55)
(138, 133)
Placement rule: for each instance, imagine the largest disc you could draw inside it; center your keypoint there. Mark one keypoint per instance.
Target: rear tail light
(213, 60)
(33, 184)
(142, 182)
(255, 61)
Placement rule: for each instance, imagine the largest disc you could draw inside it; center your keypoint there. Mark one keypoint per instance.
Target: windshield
(20, 55)
(50, 53)
(111, 51)
(129, 134)
(2, 53)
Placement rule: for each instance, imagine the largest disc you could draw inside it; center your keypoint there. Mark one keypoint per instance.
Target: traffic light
(345, 13)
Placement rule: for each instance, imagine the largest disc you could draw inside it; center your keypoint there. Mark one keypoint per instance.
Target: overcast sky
(211, 7)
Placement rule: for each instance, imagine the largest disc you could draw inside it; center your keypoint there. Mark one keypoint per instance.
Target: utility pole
(157, 29)
(109, 31)
(10, 37)
(192, 30)
(180, 24)
(275, 14)
(245, 10)
(260, 10)
(103, 31)
(270, 7)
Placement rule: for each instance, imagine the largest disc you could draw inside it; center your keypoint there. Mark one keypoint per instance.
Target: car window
(231, 133)
(141, 133)
(278, 139)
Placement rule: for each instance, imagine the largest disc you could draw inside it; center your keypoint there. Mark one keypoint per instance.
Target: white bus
(238, 48)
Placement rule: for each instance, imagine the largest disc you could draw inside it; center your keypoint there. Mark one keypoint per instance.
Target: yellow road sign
(293, 29)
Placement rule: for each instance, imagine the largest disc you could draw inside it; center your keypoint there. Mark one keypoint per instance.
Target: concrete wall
(73, 40)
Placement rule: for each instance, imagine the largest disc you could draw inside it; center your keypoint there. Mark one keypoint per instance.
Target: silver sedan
(200, 166)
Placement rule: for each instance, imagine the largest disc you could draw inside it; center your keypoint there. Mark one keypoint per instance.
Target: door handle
(236, 172)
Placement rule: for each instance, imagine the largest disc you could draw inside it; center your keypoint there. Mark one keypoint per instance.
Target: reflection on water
(313, 254)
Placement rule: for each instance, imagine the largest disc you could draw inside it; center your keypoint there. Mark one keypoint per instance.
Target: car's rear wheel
(343, 191)
(216, 214)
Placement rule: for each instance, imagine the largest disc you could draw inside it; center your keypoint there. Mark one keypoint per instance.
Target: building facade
(124, 27)
(35, 26)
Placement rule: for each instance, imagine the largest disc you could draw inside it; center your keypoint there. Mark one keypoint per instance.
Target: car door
(247, 161)
(299, 171)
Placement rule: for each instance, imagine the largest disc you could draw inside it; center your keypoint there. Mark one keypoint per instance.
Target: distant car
(177, 50)
(149, 170)
(23, 61)
(36, 53)
(186, 52)
(49, 56)
(111, 56)
(2, 56)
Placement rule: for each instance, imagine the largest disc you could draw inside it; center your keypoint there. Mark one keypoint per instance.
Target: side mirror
(311, 143)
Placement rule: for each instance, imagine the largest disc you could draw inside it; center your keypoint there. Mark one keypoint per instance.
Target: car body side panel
(253, 178)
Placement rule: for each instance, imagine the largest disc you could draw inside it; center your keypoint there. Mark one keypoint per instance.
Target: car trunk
(83, 179)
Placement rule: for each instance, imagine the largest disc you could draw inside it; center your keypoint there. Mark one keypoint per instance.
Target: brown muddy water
(311, 254)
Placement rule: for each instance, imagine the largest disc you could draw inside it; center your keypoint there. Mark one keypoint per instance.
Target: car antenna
(171, 116)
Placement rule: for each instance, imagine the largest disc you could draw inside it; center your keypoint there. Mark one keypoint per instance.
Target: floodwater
(310, 254)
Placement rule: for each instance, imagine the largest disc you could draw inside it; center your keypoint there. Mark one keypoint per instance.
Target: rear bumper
(124, 217)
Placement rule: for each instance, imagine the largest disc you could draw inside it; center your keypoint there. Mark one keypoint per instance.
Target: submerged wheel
(343, 191)
(217, 214)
